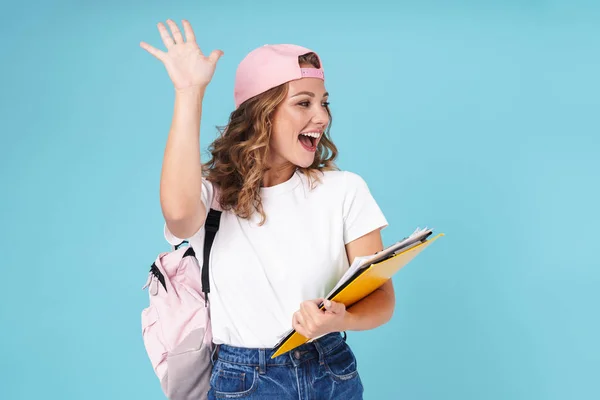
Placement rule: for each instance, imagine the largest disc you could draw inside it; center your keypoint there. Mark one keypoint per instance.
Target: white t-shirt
(259, 275)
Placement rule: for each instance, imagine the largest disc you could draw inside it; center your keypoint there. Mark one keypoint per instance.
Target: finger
(310, 312)
(307, 324)
(166, 37)
(215, 55)
(189, 32)
(311, 321)
(175, 31)
(155, 52)
(300, 318)
(298, 327)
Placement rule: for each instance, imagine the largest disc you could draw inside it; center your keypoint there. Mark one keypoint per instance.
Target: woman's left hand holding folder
(312, 322)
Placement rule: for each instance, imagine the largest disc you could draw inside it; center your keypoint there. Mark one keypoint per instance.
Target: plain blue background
(477, 118)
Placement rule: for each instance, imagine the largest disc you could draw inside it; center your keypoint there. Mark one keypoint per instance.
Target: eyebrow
(311, 94)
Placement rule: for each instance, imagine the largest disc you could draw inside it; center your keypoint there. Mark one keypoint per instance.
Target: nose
(321, 117)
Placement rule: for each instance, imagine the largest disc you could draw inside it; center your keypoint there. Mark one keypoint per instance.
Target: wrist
(194, 91)
(348, 322)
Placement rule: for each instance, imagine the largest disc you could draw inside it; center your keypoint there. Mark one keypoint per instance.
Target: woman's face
(298, 123)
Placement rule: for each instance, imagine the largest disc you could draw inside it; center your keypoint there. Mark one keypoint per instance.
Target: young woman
(291, 222)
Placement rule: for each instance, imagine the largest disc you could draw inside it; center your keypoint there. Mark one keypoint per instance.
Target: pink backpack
(176, 325)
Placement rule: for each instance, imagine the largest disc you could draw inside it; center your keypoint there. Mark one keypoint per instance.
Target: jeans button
(297, 354)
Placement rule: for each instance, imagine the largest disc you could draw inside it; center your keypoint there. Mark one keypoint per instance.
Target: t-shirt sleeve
(208, 194)
(361, 212)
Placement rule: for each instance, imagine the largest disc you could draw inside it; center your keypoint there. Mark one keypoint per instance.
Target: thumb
(215, 55)
(334, 307)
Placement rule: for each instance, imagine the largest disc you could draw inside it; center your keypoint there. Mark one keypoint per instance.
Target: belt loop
(262, 362)
(320, 351)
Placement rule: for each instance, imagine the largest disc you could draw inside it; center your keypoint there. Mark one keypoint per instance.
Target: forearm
(181, 177)
(372, 311)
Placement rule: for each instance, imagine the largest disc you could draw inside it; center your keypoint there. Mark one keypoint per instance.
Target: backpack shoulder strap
(211, 226)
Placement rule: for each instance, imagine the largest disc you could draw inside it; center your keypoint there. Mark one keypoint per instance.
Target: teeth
(311, 134)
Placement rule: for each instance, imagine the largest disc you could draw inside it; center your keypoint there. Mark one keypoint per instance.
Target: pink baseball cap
(269, 66)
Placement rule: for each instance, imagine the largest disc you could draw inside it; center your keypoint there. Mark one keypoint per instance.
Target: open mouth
(309, 140)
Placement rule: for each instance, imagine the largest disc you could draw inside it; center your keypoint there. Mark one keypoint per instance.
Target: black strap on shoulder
(211, 226)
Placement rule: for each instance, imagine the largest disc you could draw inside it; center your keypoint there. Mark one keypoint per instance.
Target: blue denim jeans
(323, 369)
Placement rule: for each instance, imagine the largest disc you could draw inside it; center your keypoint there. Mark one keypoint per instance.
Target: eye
(306, 103)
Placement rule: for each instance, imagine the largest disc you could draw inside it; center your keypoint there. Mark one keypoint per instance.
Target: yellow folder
(362, 284)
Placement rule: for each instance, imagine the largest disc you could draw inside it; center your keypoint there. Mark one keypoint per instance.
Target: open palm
(186, 65)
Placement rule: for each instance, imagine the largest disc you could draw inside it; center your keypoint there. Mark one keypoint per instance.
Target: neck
(277, 175)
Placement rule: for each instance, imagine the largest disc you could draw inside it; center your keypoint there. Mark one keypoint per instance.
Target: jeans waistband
(262, 357)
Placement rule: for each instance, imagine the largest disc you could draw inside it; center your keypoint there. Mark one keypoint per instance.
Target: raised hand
(186, 65)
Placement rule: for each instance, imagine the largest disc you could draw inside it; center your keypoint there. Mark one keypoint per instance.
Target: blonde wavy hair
(240, 154)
